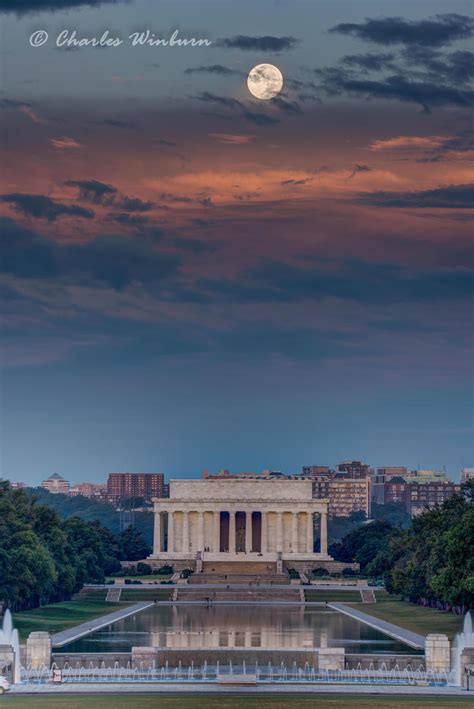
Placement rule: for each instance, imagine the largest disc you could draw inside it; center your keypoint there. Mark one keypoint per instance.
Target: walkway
(79, 631)
(165, 688)
(405, 636)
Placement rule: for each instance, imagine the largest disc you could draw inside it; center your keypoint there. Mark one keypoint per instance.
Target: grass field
(323, 595)
(156, 593)
(60, 616)
(279, 701)
(412, 617)
(149, 577)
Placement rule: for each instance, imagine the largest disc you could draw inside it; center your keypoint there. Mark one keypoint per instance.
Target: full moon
(265, 81)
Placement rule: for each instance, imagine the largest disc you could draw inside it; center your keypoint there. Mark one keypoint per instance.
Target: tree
(132, 545)
(363, 543)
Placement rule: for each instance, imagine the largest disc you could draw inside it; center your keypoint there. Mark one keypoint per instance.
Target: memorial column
(157, 533)
(170, 532)
(248, 532)
(232, 532)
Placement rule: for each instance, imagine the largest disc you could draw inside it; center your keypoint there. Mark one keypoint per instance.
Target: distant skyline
(191, 277)
(36, 482)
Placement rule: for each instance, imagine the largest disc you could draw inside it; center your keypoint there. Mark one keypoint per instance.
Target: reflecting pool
(228, 627)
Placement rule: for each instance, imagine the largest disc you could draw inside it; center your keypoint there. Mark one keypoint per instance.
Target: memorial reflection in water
(227, 627)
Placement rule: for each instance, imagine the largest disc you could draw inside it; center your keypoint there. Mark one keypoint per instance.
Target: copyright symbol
(38, 38)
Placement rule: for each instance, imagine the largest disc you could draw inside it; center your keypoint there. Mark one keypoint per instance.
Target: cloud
(22, 7)
(167, 143)
(195, 246)
(296, 182)
(260, 119)
(345, 279)
(232, 138)
(425, 93)
(371, 61)
(289, 107)
(65, 143)
(109, 260)
(22, 107)
(433, 32)
(358, 169)
(126, 219)
(133, 204)
(260, 44)
(409, 142)
(93, 190)
(449, 197)
(115, 123)
(42, 207)
(218, 69)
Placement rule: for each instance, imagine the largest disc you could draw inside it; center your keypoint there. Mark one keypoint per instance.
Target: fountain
(460, 643)
(9, 636)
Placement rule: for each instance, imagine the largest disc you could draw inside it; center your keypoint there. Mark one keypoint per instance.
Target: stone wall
(83, 659)
(365, 661)
(333, 567)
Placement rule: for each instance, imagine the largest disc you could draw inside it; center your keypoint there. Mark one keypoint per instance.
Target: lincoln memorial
(239, 520)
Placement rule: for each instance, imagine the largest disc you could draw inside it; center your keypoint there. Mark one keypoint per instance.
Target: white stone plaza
(239, 520)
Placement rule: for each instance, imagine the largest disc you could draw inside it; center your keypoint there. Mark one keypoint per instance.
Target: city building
(344, 495)
(18, 485)
(354, 469)
(144, 485)
(315, 471)
(97, 490)
(426, 476)
(382, 476)
(467, 474)
(240, 522)
(421, 496)
(396, 491)
(56, 483)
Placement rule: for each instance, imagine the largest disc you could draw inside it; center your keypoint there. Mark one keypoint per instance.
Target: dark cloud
(126, 219)
(450, 197)
(195, 246)
(168, 197)
(433, 32)
(115, 122)
(93, 190)
(133, 204)
(296, 182)
(21, 7)
(167, 143)
(260, 119)
(455, 67)
(113, 261)
(358, 169)
(108, 195)
(289, 107)
(424, 93)
(259, 44)
(213, 69)
(42, 207)
(371, 61)
(365, 282)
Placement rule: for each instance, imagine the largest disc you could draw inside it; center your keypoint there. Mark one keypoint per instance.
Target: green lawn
(321, 595)
(149, 577)
(60, 616)
(412, 617)
(156, 593)
(279, 701)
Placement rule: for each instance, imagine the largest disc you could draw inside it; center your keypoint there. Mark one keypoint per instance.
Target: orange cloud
(404, 142)
(65, 143)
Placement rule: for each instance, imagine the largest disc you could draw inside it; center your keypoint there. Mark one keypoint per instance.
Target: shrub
(143, 568)
(186, 573)
(293, 574)
(166, 569)
(320, 571)
(349, 572)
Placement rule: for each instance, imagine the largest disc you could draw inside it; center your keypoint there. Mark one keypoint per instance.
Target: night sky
(191, 277)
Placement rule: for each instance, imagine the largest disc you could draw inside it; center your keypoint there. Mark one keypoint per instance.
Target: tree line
(431, 562)
(44, 558)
